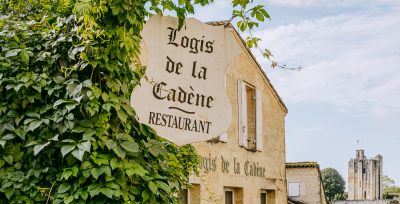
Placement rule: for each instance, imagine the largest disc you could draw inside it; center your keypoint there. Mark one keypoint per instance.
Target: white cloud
(351, 61)
(332, 3)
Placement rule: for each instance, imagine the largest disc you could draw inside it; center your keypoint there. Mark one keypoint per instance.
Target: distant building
(304, 183)
(365, 177)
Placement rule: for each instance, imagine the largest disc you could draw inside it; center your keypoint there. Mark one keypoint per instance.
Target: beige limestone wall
(311, 189)
(271, 159)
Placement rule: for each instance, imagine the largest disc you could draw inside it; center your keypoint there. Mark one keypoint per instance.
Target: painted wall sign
(249, 168)
(188, 102)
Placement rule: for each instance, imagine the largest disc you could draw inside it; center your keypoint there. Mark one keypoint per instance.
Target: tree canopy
(67, 131)
(333, 182)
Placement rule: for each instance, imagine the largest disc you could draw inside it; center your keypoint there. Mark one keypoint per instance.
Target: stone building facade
(246, 165)
(365, 177)
(304, 183)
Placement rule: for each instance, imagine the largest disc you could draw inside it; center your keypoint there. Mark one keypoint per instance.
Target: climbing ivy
(67, 131)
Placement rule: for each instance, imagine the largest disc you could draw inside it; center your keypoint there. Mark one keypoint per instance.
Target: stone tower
(365, 177)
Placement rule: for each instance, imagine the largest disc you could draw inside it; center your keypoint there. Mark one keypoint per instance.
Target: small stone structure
(305, 183)
(365, 178)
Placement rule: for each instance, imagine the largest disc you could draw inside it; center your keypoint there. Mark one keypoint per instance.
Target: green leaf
(260, 16)
(8, 137)
(64, 188)
(86, 123)
(106, 170)
(145, 195)
(2, 143)
(58, 102)
(66, 149)
(123, 136)
(78, 153)
(144, 130)
(113, 163)
(139, 170)
(87, 165)
(94, 192)
(12, 113)
(68, 199)
(35, 124)
(265, 13)
(107, 192)
(154, 150)
(111, 144)
(12, 53)
(84, 195)
(163, 186)
(32, 143)
(39, 148)
(59, 79)
(79, 129)
(24, 55)
(95, 173)
(129, 109)
(122, 115)
(130, 146)
(88, 135)
(153, 187)
(71, 88)
(156, 142)
(119, 151)
(9, 192)
(112, 185)
(2, 162)
(162, 151)
(8, 158)
(55, 138)
(85, 146)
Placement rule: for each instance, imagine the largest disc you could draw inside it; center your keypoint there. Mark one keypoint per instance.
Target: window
(185, 196)
(250, 116)
(294, 189)
(233, 195)
(229, 196)
(190, 196)
(263, 197)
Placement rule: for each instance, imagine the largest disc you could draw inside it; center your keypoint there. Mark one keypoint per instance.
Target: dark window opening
(184, 196)
(228, 197)
(263, 198)
(251, 117)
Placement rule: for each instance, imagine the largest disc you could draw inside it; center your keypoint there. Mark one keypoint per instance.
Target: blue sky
(349, 88)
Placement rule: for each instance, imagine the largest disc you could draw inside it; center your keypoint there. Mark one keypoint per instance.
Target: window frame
(188, 194)
(243, 116)
(266, 196)
(233, 194)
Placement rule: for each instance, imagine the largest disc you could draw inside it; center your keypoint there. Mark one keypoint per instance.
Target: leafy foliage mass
(390, 190)
(340, 196)
(333, 182)
(67, 131)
